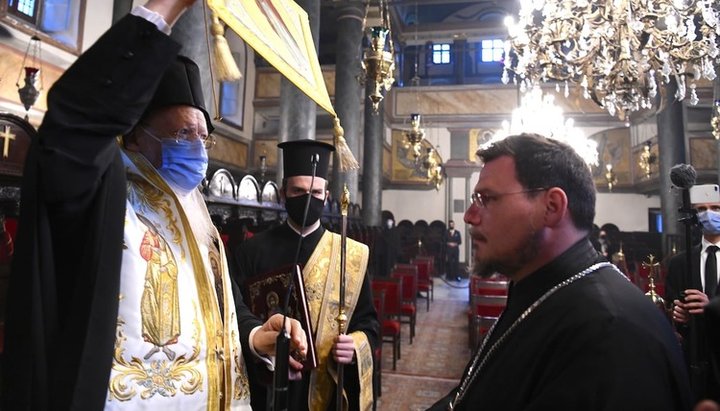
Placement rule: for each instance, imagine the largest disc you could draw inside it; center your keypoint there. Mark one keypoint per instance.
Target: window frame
(31, 26)
(498, 46)
(236, 121)
(445, 50)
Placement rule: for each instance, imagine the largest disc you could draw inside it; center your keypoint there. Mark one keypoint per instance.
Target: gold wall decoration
(476, 138)
(267, 148)
(404, 168)
(267, 82)
(613, 150)
(387, 162)
(703, 153)
(230, 151)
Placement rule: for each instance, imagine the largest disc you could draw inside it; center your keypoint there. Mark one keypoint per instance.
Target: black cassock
(596, 344)
(268, 251)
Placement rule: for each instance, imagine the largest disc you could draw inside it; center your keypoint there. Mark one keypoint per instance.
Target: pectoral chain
(479, 360)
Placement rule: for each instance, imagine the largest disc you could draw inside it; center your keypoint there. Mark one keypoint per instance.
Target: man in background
(576, 334)
(690, 290)
(452, 251)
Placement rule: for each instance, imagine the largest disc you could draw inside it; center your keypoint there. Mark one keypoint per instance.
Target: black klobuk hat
(298, 155)
(181, 85)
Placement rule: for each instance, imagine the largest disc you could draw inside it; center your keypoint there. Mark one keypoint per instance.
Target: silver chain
(475, 367)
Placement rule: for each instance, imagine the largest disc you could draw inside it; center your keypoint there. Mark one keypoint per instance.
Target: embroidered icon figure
(160, 304)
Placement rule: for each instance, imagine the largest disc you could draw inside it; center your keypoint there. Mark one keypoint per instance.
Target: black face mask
(295, 207)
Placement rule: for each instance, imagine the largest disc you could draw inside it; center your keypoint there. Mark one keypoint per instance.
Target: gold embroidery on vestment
(160, 301)
(241, 390)
(160, 377)
(321, 274)
(147, 197)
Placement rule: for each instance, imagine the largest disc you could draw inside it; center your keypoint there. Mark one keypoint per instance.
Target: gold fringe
(347, 159)
(225, 66)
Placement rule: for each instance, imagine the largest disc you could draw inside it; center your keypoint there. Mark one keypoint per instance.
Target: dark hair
(610, 227)
(545, 163)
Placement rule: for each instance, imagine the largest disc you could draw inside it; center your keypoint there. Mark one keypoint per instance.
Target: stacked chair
(488, 299)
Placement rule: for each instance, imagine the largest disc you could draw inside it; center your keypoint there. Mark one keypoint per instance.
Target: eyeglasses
(184, 135)
(482, 200)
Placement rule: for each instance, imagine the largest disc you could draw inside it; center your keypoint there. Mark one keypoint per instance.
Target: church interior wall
(628, 211)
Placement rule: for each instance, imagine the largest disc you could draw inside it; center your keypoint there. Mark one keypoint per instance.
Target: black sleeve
(245, 318)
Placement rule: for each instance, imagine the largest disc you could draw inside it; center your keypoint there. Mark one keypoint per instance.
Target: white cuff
(269, 362)
(152, 17)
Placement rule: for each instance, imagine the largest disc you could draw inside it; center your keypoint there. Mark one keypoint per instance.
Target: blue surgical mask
(710, 221)
(184, 163)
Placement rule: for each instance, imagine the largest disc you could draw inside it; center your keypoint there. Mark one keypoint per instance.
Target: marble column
(297, 111)
(671, 148)
(348, 91)
(372, 161)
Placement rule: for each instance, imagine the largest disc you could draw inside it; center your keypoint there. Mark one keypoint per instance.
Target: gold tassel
(346, 157)
(225, 66)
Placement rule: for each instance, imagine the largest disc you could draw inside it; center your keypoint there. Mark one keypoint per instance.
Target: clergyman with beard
(576, 334)
(276, 250)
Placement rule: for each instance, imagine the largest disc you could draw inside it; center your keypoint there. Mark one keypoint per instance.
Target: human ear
(556, 206)
(130, 141)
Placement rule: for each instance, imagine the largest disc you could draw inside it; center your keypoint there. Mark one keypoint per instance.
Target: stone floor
(433, 364)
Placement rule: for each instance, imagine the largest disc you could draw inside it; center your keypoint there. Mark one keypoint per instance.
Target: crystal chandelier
(378, 63)
(538, 113)
(617, 51)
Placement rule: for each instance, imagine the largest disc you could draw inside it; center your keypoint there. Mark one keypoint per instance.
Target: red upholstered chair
(379, 303)
(408, 309)
(429, 259)
(480, 327)
(390, 325)
(425, 282)
(482, 286)
(488, 287)
(484, 311)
